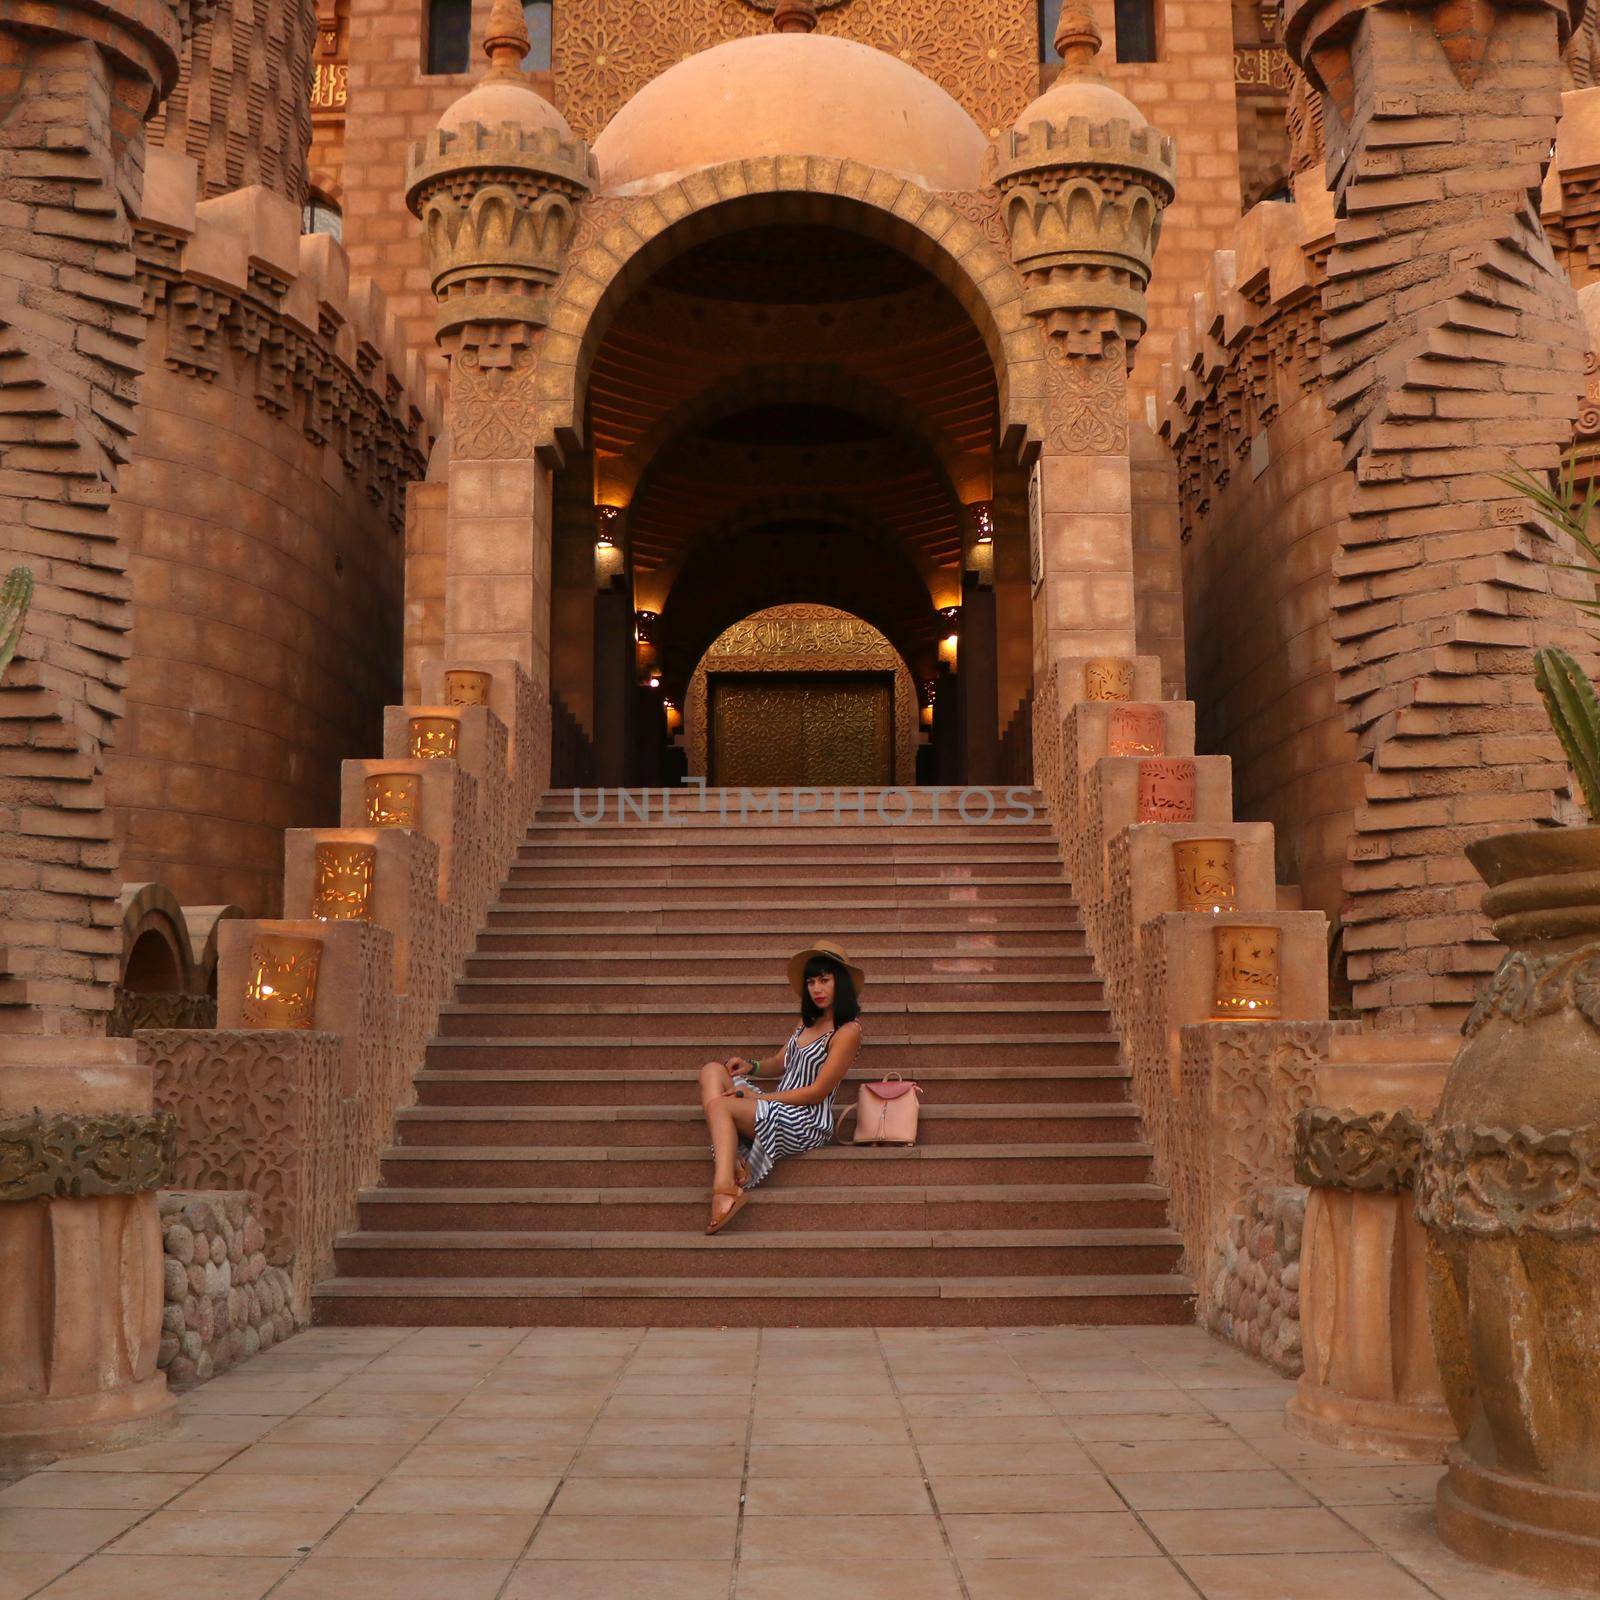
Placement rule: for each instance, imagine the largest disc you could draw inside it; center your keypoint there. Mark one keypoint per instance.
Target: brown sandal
(741, 1172)
(740, 1200)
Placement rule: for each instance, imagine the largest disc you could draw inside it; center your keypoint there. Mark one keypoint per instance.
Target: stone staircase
(555, 1169)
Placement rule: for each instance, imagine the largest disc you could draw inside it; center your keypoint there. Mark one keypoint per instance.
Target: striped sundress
(790, 1130)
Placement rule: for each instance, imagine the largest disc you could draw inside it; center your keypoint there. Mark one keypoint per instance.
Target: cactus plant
(16, 594)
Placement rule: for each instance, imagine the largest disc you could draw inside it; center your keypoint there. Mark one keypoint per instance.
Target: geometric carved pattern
(1373, 1151)
(67, 1157)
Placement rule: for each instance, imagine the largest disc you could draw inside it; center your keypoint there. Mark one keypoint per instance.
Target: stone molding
(61, 1157)
(234, 277)
(1526, 986)
(1492, 1183)
(1374, 1152)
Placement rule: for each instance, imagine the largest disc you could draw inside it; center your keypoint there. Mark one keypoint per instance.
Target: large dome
(790, 94)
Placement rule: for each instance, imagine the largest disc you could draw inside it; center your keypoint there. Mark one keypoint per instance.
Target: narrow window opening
(536, 14)
(449, 35)
(1136, 30)
(321, 215)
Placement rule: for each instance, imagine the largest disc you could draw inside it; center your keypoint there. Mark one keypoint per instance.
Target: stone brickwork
(1453, 345)
(223, 1300)
(1262, 494)
(240, 109)
(1255, 1287)
(281, 420)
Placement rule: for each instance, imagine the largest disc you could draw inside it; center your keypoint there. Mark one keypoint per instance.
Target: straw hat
(822, 947)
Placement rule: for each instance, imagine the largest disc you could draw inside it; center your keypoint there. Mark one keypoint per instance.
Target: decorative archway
(802, 639)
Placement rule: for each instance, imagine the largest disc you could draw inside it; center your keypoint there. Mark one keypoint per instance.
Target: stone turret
(497, 187)
(1084, 180)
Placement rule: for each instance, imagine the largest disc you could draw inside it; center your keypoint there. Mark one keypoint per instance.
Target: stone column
(1083, 181)
(80, 1153)
(1453, 349)
(497, 187)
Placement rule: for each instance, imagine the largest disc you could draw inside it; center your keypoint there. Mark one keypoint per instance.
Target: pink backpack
(886, 1112)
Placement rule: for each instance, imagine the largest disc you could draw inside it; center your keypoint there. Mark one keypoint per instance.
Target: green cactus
(16, 594)
(1574, 712)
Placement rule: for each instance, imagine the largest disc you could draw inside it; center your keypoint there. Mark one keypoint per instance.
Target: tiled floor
(487, 1464)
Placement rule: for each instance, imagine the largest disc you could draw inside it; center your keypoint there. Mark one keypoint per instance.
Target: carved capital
(77, 1158)
(1370, 1151)
(499, 208)
(1526, 986)
(1492, 1182)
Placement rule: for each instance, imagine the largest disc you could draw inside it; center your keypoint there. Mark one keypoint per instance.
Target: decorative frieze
(82, 1157)
(1369, 1151)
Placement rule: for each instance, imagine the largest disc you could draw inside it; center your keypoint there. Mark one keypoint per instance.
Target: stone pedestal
(80, 1249)
(1371, 1382)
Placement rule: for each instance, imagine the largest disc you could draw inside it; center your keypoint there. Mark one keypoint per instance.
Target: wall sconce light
(393, 799)
(644, 626)
(1247, 981)
(606, 519)
(654, 681)
(281, 988)
(950, 645)
(983, 520)
(1204, 874)
(342, 882)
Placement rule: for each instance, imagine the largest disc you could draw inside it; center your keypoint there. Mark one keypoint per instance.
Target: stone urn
(1509, 1191)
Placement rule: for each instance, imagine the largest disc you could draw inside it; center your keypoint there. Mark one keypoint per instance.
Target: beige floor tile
(1048, 1536)
(829, 1579)
(878, 1538)
(1129, 1578)
(799, 1381)
(835, 1461)
(343, 1404)
(351, 1430)
(1258, 1531)
(375, 1578)
(824, 1497)
(1112, 1381)
(771, 1407)
(678, 1407)
(1057, 1457)
(1406, 1525)
(115, 1577)
(1032, 1492)
(618, 1497)
(484, 1461)
(1253, 1424)
(320, 1461)
(619, 1580)
(676, 1383)
(1248, 1397)
(226, 1533)
(830, 1430)
(163, 1457)
(21, 1575)
(1157, 1401)
(457, 1537)
(493, 1497)
(222, 1430)
(1190, 1491)
(228, 1402)
(955, 1382)
(622, 1461)
(1024, 1403)
(1451, 1578)
(229, 1491)
(1373, 1484)
(1314, 1577)
(96, 1491)
(504, 1407)
(635, 1538)
(674, 1434)
(30, 1530)
(541, 1433)
(1191, 1425)
(1179, 1455)
(1294, 1454)
(989, 1430)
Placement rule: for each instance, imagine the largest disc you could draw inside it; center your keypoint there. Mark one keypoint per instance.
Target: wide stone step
(889, 991)
(782, 1207)
(516, 928)
(620, 851)
(1164, 1298)
(618, 1166)
(801, 919)
(684, 1126)
(688, 1253)
(896, 889)
(974, 1085)
(686, 1052)
(730, 966)
(930, 1019)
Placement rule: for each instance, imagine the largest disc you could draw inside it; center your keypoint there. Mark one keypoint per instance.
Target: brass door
(819, 730)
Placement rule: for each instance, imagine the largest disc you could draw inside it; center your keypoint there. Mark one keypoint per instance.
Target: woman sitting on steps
(750, 1130)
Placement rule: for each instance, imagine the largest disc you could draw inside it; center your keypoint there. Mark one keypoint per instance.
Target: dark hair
(846, 1007)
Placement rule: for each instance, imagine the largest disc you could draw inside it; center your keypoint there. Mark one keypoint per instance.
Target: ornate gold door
(770, 729)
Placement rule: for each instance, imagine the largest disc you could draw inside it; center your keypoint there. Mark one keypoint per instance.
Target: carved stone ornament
(1493, 1182)
(1081, 192)
(1527, 986)
(78, 1158)
(1372, 1151)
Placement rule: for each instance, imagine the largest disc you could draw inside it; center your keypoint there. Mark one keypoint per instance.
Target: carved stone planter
(1509, 1191)
(1371, 1382)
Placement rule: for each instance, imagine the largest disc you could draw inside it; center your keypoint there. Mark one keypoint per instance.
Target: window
(1136, 30)
(321, 215)
(536, 14)
(449, 35)
(1049, 20)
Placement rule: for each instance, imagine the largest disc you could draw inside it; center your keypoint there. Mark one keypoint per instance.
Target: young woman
(751, 1129)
